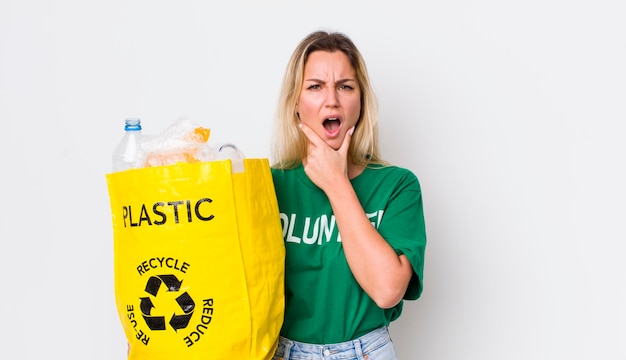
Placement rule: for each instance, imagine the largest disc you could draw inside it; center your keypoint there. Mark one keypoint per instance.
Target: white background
(511, 113)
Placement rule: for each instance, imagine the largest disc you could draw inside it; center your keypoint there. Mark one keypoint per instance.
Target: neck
(354, 170)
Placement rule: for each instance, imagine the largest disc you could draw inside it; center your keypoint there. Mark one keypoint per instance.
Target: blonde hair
(289, 143)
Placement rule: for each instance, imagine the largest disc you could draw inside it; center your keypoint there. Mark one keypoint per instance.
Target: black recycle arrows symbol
(156, 322)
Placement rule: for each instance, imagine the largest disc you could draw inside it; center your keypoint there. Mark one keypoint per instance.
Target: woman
(353, 225)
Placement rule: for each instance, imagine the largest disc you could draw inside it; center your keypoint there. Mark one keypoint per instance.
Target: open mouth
(331, 125)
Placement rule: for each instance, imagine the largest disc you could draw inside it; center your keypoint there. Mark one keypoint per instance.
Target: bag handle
(232, 152)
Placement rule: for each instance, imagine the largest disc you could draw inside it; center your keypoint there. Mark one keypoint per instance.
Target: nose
(332, 98)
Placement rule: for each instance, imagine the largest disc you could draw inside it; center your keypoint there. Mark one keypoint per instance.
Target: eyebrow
(340, 81)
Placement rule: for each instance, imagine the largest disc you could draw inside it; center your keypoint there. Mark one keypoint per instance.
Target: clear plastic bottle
(128, 150)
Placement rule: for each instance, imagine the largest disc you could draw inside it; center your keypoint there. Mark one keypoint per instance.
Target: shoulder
(278, 172)
(285, 175)
(394, 174)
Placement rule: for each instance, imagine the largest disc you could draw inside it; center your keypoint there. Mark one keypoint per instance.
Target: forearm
(382, 274)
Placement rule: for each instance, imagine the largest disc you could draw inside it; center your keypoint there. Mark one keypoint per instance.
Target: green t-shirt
(324, 304)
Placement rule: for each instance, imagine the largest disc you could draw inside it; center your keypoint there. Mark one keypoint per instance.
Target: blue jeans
(375, 345)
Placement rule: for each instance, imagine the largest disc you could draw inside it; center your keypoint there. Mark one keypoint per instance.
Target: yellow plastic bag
(199, 260)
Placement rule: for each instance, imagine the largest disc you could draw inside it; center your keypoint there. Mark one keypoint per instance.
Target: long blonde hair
(289, 144)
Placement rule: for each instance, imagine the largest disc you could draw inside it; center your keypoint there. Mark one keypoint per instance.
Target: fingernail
(351, 131)
(300, 125)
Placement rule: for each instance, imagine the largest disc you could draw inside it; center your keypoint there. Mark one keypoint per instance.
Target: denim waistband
(353, 349)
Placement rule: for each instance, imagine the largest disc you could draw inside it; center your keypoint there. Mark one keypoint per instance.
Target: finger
(311, 135)
(345, 145)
